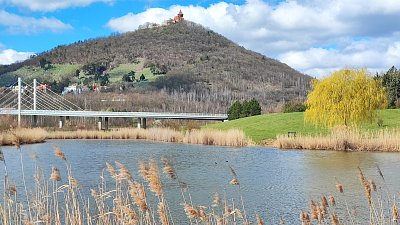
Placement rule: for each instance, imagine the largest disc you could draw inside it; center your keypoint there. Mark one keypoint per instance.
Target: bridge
(22, 99)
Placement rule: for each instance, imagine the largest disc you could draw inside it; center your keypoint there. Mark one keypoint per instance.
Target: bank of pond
(338, 139)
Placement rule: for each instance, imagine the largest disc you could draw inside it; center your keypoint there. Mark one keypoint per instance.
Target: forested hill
(189, 64)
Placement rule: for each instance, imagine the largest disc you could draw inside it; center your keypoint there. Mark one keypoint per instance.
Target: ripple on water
(273, 183)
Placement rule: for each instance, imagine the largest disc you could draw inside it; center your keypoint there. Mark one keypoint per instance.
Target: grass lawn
(268, 126)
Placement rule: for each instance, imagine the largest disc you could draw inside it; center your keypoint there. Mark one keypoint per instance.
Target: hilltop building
(177, 19)
(148, 25)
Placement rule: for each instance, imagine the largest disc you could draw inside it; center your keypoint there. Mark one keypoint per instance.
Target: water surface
(274, 183)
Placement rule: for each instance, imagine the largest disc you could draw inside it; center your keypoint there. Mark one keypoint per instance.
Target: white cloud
(52, 5)
(9, 56)
(313, 36)
(16, 24)
(376, 55)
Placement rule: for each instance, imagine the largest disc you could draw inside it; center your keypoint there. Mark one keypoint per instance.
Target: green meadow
(268, 126)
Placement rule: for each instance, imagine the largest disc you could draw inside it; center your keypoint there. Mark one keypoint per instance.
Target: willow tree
(346, 97)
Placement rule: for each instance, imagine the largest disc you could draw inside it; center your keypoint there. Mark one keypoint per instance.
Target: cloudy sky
(312, 36)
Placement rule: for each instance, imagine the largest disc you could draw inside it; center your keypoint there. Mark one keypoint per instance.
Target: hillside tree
(45, 64)
(129, 77)
(142, 77)
(104, 79)
(346, 97)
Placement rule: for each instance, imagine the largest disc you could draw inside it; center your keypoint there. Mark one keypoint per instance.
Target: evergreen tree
(235, 111)
(391, 81)
(255, 108)
(246, 109)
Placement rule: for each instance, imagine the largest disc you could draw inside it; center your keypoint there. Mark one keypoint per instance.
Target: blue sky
(312, 36)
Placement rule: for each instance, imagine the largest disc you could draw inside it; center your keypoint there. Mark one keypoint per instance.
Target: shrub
(294, 106)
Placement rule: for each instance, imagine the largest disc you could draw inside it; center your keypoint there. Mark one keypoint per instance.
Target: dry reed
(235, 138)
(24, 136)
(344, 140)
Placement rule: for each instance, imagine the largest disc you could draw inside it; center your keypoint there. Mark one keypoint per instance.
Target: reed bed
(231, 137)
(344, 140)
(24, 135)
(235, 138)
(207, 137)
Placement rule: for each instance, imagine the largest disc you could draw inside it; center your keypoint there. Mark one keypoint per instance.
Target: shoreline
(348, 140)
(343, 140)
(231, 138)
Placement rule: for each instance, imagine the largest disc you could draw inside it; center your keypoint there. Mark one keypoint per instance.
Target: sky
(316, 37)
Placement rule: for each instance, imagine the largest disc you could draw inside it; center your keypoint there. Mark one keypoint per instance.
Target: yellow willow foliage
(346, 97)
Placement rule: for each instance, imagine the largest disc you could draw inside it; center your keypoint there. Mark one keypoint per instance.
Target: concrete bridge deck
(149, 115)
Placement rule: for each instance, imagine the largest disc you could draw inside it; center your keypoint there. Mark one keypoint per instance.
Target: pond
(274, 183)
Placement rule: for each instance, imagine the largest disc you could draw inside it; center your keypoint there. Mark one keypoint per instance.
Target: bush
(294, 106)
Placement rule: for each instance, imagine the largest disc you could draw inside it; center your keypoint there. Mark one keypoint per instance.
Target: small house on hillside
(43, 87)
(70, 89)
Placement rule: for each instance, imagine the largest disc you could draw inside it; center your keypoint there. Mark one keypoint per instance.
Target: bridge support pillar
(60, 122)
(34, 121)
(106, 123)
(142, 124)
(99, 125)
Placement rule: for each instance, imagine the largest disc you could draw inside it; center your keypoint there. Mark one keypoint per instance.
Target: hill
(188, 65)
(268, 126)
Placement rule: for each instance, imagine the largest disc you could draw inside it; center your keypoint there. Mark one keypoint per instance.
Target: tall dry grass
(207, 137)
(381, 205)
(24, 135)
(343, 139)
(120, 198)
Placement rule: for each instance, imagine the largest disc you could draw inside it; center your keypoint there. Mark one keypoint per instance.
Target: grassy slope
(68, 70)
(268, 126)
(29, 73)
(117, 73)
